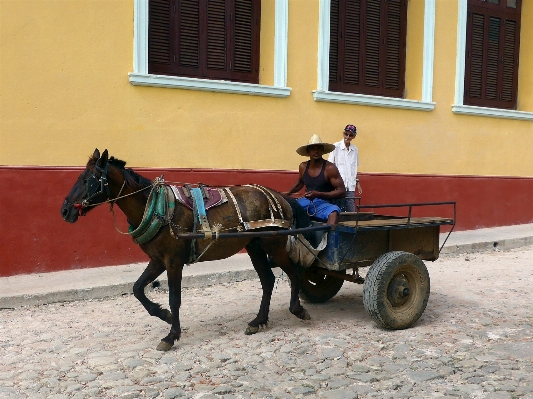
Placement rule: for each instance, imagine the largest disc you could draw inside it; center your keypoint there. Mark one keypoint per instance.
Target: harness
(158, 213)
(161, 204)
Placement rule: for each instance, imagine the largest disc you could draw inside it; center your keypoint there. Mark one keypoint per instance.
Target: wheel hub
(398, 291)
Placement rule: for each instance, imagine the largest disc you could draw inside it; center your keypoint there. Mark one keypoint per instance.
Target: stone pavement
(102, 282)
(474, 340)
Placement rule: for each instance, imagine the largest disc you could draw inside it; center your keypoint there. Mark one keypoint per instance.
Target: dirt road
(475, 340)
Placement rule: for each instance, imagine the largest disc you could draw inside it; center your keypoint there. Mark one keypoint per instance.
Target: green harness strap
(158, 212)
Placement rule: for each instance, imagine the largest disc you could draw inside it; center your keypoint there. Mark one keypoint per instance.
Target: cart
(397, 285)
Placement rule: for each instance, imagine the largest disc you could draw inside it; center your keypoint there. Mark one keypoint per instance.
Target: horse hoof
(251, 330)
(302, 314)
(164, 346)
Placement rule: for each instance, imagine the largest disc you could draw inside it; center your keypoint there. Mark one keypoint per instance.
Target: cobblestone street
(475, 340)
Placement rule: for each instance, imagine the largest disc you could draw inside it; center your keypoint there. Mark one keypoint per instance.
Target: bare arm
(299, 183)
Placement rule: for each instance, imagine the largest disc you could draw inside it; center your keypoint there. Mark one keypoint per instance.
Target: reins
(158, 212)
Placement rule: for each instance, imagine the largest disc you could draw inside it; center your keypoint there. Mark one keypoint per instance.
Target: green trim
(152, 201)
(159, 206)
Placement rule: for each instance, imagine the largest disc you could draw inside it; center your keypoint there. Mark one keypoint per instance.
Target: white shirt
(347, 161)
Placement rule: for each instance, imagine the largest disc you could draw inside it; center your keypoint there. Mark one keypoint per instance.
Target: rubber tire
(384, 284)
(318, 288)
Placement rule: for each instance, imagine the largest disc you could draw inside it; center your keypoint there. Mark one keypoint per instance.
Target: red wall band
(36, 239)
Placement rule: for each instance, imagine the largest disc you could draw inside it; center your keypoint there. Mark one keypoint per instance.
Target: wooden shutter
(492, 49)
(334, 35)
(213, 39)
(159, 53)
(367, 46)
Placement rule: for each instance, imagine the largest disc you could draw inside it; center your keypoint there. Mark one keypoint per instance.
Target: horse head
(89, 190)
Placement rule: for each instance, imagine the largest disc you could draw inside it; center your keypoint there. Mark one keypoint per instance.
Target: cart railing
(410, 207)
(410, 212)
(253, 234)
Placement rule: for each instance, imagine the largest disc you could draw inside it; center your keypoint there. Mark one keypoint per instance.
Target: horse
(106, 180)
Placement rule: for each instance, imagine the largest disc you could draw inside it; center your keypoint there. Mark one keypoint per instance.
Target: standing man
(322, 180)
(345, 156)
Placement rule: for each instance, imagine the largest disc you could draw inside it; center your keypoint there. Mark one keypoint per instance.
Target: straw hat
(315, 140)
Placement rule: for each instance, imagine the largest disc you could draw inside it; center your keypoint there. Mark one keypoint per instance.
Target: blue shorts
(318, 208)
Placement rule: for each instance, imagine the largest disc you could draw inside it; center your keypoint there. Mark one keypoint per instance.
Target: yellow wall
(64, 90)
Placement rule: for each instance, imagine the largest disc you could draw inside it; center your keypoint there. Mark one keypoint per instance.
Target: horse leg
(174, 274)
(266, 277)
(280, 257)
(152, 271)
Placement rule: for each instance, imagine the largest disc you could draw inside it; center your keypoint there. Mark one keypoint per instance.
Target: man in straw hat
(322, 180)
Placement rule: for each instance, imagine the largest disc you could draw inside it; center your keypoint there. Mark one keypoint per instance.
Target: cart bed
(406, 222)
(361, 237)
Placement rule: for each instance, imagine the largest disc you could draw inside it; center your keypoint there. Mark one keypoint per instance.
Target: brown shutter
(216, 37)
(372, 44)
(510, 62)
(367, 54)
(352, 36)
(213, 39)
(159, 54)
(394, 73)
(187, 47)
(334, 42)
(476, 54)
(492, 48)
(244, 34)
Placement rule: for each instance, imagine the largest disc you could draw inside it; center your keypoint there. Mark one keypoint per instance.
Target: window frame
(459, 107)
(322, 92)
(141, 77)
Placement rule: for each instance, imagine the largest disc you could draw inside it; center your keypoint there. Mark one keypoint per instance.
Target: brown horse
(107, 180)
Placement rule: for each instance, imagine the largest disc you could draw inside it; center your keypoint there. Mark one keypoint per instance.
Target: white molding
(223, 86)
(492, 112)
(429, 50)
(459, 107)
(461, 50)
(323, 45)
(281, 39)
(376, 101)
(141, 77)
(140, 37)
(322, 93)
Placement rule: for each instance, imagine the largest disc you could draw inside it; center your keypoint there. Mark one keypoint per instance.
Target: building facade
(223, 92)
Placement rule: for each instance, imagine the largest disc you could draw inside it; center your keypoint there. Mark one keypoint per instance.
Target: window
(492, 50)
(209, 39)
(367, 47)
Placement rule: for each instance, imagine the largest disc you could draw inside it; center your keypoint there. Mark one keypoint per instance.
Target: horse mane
(133, 179)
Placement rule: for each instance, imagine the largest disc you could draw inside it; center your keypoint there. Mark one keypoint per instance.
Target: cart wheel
(316, 287)
(396, 290)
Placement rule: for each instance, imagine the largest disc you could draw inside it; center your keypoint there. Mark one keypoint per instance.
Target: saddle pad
(216, 197)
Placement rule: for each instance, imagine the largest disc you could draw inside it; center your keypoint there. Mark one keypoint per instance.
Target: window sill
(222, 86)
(376, 101)
(492, 112)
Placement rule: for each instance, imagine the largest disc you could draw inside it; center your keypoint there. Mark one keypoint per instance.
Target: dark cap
(351, 128)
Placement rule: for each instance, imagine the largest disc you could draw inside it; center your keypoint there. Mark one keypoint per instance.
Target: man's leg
(326, 211)
(350, 201)
(333, 218)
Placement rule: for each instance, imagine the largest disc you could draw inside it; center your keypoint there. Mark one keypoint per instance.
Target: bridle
(97, 190)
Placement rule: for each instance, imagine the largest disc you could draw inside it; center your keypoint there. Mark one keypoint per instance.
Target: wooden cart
(397, 285)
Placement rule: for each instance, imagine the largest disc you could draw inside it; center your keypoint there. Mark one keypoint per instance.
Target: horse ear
(103, 159)
(96, 154)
